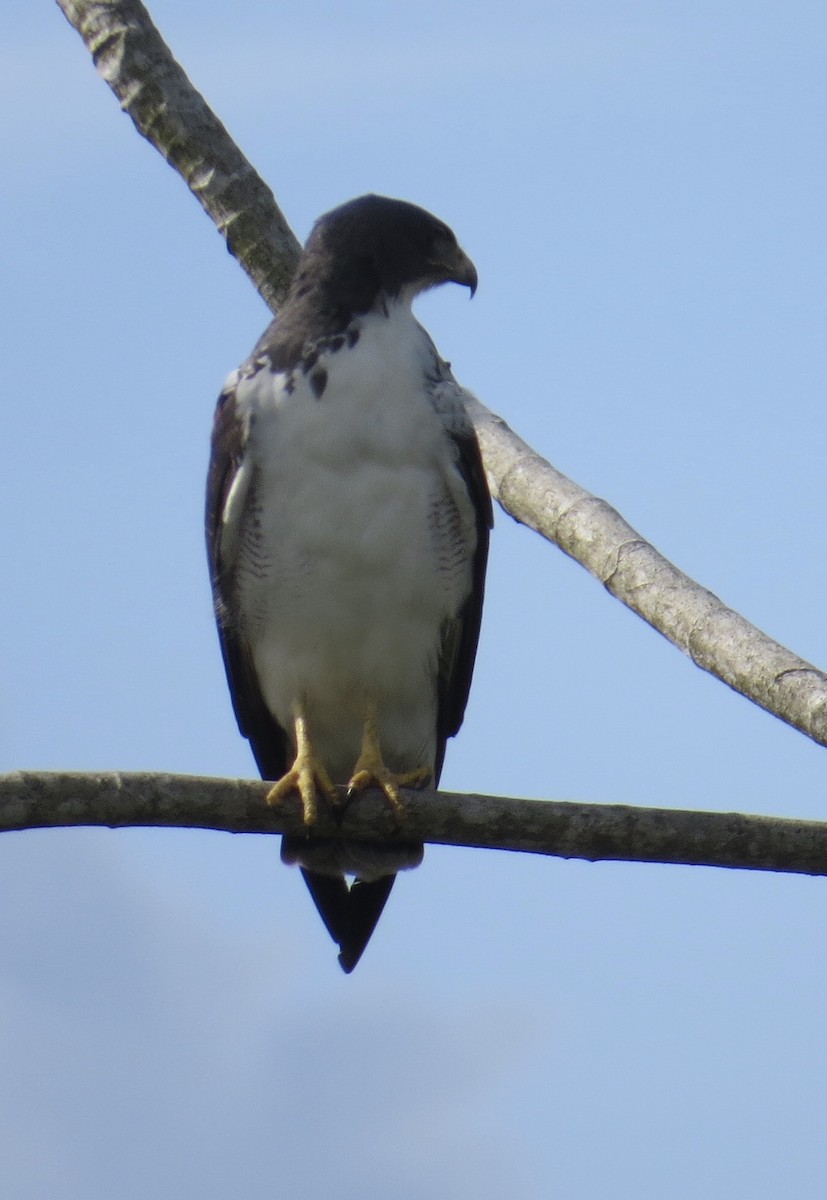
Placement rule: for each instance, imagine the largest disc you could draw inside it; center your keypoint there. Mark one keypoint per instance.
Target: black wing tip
(350, 914)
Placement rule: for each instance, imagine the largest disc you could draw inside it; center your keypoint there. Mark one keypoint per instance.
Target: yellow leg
(370, 770)
(307, 776)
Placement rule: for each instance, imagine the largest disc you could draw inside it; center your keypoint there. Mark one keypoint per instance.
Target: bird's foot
(370, 771)
(307, 776)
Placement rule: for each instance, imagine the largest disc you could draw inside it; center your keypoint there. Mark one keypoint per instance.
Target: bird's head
(374, 246)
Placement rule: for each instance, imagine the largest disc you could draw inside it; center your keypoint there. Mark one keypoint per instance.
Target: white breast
(356, 544)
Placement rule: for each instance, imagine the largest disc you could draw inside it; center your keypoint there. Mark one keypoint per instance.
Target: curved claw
(370, 770)
(307, 776)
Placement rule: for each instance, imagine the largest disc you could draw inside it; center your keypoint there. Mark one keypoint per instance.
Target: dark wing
(460, 636)
(268, 740)
(350, 914)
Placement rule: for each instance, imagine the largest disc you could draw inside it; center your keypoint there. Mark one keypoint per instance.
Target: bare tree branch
(133, 58)
(715, 637)
(137, 65)
(595, 832)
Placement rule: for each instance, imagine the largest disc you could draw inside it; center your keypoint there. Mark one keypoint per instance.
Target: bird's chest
(346, 487)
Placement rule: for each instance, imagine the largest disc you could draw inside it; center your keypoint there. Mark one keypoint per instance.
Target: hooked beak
(462, 271)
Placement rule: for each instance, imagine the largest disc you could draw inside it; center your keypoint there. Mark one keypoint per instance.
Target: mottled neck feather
(325, 296)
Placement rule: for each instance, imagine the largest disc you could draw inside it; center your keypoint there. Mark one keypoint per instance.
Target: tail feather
(349, 913)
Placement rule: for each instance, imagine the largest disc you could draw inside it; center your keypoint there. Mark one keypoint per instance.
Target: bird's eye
(442, 242)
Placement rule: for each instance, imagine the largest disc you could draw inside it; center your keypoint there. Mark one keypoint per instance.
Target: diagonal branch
(593, 533)
(595, 832)
(136, 63)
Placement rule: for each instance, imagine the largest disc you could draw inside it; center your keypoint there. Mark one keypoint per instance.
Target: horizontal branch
(136, 63)
(595, 832)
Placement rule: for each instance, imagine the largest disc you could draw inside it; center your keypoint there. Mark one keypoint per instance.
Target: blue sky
(641, 186)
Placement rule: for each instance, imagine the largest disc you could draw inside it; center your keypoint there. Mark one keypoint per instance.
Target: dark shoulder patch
(352, 338)
(318, 382)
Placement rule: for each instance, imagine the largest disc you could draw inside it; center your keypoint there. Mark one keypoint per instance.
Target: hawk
(347, 529)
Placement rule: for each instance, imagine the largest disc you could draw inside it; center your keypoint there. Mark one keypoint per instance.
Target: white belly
(362, 551)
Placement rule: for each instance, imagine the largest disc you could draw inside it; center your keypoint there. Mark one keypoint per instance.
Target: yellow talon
(307, 776)
(370, 769)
